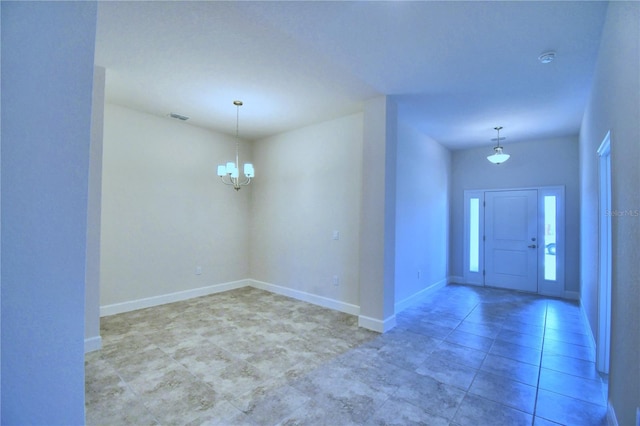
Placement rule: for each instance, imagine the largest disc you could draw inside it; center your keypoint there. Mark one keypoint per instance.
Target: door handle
(532, 246)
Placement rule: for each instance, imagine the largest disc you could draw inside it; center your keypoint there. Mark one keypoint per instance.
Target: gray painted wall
(530, 165)
(47, 78)
(614, 106)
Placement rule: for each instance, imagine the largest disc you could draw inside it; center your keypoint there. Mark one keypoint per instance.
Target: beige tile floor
(466, 356)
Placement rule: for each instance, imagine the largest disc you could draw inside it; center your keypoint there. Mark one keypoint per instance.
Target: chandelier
(498, 156)
(229, 173)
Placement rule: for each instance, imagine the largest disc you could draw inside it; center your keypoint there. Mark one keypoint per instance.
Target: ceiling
(456, 69)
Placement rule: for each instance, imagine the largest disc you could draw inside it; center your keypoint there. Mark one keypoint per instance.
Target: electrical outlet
(198, 270)
(336, 235)
(336, 280)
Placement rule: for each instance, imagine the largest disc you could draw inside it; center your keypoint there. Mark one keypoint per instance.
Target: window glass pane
(474, 234)
(550, 237)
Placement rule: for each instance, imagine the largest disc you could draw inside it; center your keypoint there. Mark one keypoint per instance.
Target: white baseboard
(376, 324)
(92, 344)
(419, 296)
(587, 325)
(454, 279)
(572, 295)
(612, 420)
(325, 302)
(348, 308)
(133, 305)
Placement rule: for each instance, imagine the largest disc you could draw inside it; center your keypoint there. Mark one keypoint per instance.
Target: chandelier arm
(229, 182)
(235, 182)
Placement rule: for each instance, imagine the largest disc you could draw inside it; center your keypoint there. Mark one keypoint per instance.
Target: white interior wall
(378, 212)
(614, 105)
(165, 211)
(307, 187)
(422, 215)
(47, 78)
(0, 233)
(530, 165)
(92, 273)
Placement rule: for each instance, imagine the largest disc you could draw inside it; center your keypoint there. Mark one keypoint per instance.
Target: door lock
(532, 246)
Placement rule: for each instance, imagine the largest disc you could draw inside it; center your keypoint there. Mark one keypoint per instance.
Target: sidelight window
(474, 234)
(550, 241)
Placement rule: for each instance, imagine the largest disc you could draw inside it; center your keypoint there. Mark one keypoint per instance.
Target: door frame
(604, 255)
(545, 287)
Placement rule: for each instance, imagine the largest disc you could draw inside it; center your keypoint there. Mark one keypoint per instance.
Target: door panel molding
(511, 234)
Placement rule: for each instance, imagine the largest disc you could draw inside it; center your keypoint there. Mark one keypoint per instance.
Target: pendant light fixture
(498, 156)
(229, 173)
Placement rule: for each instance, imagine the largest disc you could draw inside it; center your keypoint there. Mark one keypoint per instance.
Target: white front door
(511, 231)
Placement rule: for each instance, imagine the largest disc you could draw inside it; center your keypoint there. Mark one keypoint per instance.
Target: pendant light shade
(498, 156)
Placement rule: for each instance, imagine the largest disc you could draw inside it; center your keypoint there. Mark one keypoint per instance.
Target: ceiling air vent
(178, 116)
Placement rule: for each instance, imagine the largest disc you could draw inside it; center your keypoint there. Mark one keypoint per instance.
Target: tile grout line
(133, 391)
(466, 392)
(544, 331)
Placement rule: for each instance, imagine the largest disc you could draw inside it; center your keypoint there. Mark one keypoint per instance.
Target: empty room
(323, 213)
